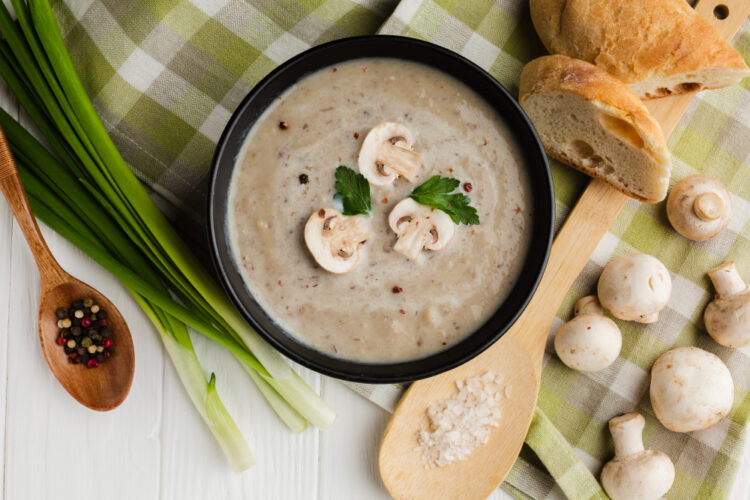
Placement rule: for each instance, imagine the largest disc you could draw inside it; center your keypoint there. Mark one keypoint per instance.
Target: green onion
(85, 191)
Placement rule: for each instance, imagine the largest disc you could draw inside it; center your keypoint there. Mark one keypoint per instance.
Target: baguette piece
(592, 121)
(658, 47)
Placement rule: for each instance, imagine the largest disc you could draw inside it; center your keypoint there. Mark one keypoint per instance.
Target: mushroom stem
(401, 160)
(587, 305)
(351, 235)
(627, 433)
(708, 206)
(726, 280)
(411, 242)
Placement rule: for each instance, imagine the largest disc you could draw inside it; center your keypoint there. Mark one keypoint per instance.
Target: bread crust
(635, 40)
(562, 73)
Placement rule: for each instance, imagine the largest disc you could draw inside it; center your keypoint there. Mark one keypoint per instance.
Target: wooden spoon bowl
(101, 388)
(402, 467)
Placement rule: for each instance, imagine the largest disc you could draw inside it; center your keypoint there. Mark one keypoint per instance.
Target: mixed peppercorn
(84, 333)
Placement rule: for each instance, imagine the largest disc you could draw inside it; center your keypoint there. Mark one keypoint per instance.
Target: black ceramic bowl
(407, 49)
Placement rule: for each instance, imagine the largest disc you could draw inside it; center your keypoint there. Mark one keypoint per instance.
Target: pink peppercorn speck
(86, 322)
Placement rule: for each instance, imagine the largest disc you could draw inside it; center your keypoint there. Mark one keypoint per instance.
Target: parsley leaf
(354, 190)
(435, 193)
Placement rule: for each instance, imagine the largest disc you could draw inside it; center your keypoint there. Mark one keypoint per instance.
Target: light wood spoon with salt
(101, 388)
(518, 355)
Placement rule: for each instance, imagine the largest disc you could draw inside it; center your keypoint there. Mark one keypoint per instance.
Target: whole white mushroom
(635, 287)
(691, 389)
(727, 317)
(699, 207)
(634, 472)
(590, 341)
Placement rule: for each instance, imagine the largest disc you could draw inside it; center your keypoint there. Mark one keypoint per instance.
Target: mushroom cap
(387, 144)
(419, 226)
(691, 389)
(646, 475)
(699, 207)
(589, 342)
(635, 287)
(335, 240)
(728, 319)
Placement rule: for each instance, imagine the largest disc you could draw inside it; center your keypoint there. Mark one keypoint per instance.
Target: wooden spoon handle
(11, 187)
(587, 223)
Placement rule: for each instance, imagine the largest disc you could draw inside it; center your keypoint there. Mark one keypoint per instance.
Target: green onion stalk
(84, 190)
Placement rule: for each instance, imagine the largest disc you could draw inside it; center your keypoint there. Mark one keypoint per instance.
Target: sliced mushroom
(418, 226)
(635, 287)
(699, 207)
(387, 153)
(335, 240)
(727, 317)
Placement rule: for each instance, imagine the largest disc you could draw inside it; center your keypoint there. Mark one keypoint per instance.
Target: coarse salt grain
(458, 425)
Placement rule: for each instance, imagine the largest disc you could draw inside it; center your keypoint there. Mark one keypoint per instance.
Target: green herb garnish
(435, 193)
(354, 190)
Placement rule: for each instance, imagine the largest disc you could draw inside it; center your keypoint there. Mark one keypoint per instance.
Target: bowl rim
(407, 370)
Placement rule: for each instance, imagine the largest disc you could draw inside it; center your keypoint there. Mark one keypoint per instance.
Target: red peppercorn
(468, 187)
(107, 343)
(103, 322)
(86, 322)
(60, 340)
(92, 363)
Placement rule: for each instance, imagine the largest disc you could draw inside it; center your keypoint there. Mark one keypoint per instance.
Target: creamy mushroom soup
(389, 307)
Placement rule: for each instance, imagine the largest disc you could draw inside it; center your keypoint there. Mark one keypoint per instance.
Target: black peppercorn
(81, 331)
(303, 179)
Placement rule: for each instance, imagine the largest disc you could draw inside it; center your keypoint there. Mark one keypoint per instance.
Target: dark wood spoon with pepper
(101, 388)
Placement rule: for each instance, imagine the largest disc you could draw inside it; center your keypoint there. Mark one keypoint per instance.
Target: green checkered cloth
(165, 76)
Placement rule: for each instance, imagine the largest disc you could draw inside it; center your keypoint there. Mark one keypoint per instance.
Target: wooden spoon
(518, 355)
(101, 388)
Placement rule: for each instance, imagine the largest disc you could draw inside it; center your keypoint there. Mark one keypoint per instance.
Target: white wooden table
(155, 445)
